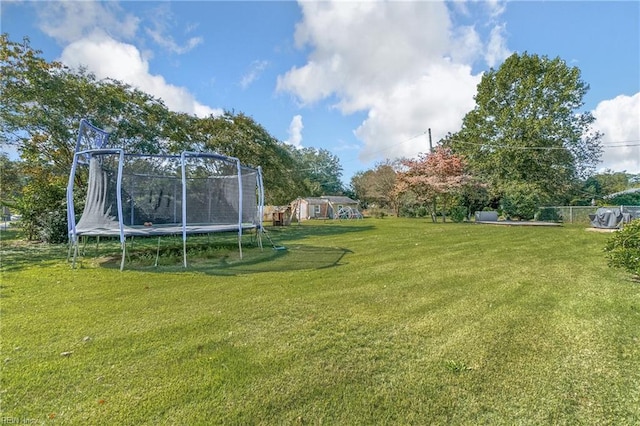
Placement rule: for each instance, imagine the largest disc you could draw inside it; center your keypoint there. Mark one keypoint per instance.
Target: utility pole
(430, 142)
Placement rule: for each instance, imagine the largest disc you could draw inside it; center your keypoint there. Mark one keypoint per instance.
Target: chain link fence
(577, 214)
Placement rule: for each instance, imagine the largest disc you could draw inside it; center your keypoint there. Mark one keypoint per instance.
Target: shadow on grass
(254, 260)
(17, 254)
(215, 254)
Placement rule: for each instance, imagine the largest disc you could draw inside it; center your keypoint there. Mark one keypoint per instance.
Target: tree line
(525, 144)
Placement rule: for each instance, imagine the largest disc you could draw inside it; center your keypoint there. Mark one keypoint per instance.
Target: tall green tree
(42, 105)
(238, 135)
(319, 170)
(526, 128)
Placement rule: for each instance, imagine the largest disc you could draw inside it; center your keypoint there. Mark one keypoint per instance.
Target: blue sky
(364, 79)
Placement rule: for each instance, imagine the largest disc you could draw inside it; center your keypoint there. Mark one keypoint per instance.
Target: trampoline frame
(123, 231)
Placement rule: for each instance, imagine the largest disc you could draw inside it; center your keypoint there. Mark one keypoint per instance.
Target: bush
(376, 212)
(42, 206)
(53, 228)
(406, 211)
(520, 201)
(623, 248)
(458, 213)
(422, 211)
(549, 214)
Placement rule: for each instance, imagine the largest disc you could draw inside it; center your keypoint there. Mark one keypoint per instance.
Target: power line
(621, 145)
(613, 144)
(633, 140)
(399, 143)
(546, 148)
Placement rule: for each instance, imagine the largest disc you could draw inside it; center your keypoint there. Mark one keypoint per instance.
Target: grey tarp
(609, 218)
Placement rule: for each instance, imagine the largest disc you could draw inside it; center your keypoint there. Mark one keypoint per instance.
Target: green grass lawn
(387, 321)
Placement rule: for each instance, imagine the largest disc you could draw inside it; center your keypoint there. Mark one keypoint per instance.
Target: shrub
(458, 213)
(623, 248)
(376, 212)
(406, 211)
(42, 206)
(53, 228)
(520, 201)
(549, 214)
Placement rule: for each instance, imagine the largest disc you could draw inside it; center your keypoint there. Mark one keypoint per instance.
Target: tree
(598, 186)
(42, 206)
(609, 182)
(520, 200)
(319, 170)
(42, 105)
(376, 186)
(238, 135)
(625, 199)
(474, 196)
(433, 178)
(525, 128)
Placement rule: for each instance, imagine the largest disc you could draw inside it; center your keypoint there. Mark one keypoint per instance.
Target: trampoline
(141, 195)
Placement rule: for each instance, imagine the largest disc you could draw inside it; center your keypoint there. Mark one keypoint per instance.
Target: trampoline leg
(240, 245)
(84, 244)
(184, 252)
(124, 249)
(75, 255)
(157, 253)
(69, 251)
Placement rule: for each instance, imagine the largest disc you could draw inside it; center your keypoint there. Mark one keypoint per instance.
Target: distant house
(324, 207)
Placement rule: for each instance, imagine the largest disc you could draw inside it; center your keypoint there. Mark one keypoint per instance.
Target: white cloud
(96, 35)
(618, 119)
(68, 21)
(404, 63)
(295, 132)
(496, 7)
(106, 57)
(497, 50)
(437, 100)
(163, 21)
(253, 74)
(359, 47)
(465, 44)
(170, 44)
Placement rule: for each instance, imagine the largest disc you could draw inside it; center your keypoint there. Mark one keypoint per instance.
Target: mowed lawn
(375, 321)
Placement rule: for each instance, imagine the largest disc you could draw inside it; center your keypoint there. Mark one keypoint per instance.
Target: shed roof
(339, 199)
(334, 199)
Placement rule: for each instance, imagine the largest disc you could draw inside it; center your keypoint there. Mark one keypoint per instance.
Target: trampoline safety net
(139, 195)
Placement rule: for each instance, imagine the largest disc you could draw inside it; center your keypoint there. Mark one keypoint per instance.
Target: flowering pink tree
(433, 178)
